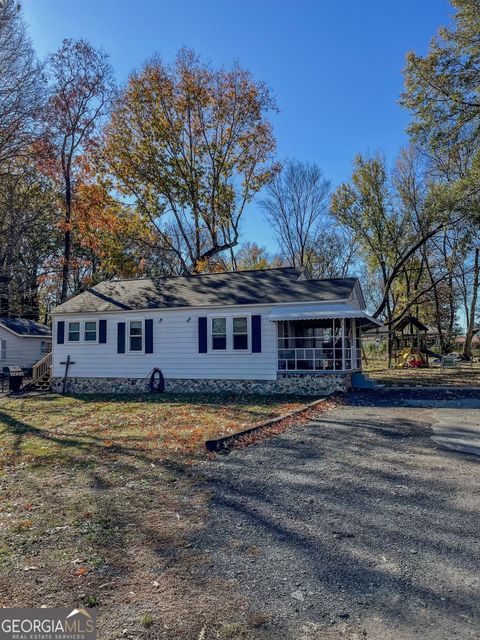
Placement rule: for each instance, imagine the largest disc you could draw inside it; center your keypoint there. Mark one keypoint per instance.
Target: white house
(271, 331)
(23, 342)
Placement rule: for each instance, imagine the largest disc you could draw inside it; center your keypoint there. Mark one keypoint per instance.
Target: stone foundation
(101, 385)
(287, 383)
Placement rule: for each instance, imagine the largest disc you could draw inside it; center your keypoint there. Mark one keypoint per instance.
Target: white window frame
(229, 321)
(127, 337)
(81, 324)
(97, 325)
(210, 339)
(68, 323)
(248, 334)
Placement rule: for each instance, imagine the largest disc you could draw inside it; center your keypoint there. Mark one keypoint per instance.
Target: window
(135, 336)
(219, 333)
(240, 333)
(45, 347)
(90, 331)
(74, 331)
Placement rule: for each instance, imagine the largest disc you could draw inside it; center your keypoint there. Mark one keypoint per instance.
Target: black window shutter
(202, 335)
(60, 332)
(256, 334)
(149, 336)
(102, 331)
(121, 337)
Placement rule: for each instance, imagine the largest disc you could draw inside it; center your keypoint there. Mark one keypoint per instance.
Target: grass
(462, 376)
(100, 498)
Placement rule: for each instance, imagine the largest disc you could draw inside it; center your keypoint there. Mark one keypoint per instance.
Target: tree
(21, 87)
(442, 91)
(191, 146)
(27, 237)
(376, 210)
(252, 256)
(81, 94)
(296, 207)
(111, 239)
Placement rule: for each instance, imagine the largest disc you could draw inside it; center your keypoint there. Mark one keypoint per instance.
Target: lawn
(462, 376)
(100, 499)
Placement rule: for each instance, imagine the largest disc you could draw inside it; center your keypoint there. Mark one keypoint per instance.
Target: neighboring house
(460, 340)
(23, 342)
(271, 331)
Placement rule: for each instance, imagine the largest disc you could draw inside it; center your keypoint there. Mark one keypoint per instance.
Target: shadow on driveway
(356, 525)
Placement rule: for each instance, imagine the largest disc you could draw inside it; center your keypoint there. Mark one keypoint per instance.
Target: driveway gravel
(355, 525)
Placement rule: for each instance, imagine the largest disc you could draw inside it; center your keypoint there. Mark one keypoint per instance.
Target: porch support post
(343, 344)
(353, 352)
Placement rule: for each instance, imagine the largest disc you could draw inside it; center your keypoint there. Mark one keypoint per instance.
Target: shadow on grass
(201, 399)
(109, 492)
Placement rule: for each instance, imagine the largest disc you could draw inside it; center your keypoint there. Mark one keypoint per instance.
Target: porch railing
(41, 368)
(314, 359)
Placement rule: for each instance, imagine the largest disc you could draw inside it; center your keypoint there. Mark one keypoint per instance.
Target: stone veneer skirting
(287, 383)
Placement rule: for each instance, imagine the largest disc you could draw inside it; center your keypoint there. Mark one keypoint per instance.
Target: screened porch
(325, 345)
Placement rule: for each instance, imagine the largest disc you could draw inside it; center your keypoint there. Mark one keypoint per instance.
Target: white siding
(20, 352)
(175, 345)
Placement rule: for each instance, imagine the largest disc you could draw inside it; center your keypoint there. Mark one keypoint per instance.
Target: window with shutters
(219, 334)
(240, 333)
(229, 333)
(73, 334)
(90, 331)
(84, 331)
(135, 336)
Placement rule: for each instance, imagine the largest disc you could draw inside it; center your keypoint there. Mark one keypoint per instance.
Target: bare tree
(21, 87)
(81, 95)
(297, 209)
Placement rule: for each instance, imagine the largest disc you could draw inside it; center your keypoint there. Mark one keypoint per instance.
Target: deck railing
(41, 368)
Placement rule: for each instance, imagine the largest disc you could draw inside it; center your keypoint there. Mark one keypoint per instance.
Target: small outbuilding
(23, 342)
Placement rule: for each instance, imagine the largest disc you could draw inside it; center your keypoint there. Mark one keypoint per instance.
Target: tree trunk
(467, 347)
(390, 334)
(8, 265)
(67, 239)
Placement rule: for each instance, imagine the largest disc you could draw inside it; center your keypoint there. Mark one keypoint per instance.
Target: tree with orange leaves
(81, 94)
(191, 146)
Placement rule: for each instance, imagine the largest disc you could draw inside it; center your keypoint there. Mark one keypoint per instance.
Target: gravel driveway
(358, 525)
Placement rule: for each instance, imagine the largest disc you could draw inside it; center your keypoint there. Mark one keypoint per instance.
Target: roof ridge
(198, 275)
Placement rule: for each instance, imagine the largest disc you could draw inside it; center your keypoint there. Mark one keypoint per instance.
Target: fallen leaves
(281, 426)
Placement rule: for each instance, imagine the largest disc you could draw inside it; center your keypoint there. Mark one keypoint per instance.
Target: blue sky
(334, 67)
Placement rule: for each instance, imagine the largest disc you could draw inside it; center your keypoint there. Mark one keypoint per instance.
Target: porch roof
(321, 312)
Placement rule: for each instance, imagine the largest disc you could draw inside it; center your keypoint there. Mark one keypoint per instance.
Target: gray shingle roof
(216, 289)
(24, 327)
